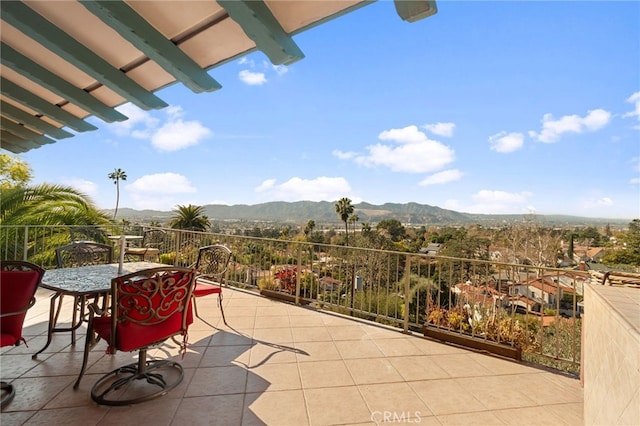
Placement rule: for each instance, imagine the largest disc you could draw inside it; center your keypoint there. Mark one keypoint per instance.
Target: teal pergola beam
(23, 132)
(36, 103)
(414, 10)
(15, 144)
(263, 28)
(24, 18)
(25, 66)
(136, 30)
(24, 117)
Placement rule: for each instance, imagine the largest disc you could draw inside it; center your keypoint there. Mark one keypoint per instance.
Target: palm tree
(344, 208)
(189, 217)
(352, 220)
(116, 177)
(47, 204)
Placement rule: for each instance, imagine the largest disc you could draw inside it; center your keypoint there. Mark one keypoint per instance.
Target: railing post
(407, 289)
(299, 267)
(25, 243)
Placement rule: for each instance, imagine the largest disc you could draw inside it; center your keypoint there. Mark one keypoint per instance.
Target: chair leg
(221, 308)
(8, 393)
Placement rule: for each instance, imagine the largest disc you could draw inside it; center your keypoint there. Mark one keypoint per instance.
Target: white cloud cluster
(322, 188)
(553, 129)
(445, 176)
(441, 129)
(490, 202)
(634, 99)
(252, 78)
(156, 191)
(171, 135)
(85, 186)
(413, 152)
(504, 142)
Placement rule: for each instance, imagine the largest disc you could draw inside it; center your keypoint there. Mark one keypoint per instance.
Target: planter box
(275, 294)
(472, 342)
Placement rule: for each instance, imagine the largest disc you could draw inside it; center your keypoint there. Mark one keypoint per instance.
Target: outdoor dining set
(133, 304)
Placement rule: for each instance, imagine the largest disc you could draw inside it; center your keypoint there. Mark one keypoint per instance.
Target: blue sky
(485, 107)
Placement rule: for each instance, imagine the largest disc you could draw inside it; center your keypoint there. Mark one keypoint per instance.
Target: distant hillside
(323, 212)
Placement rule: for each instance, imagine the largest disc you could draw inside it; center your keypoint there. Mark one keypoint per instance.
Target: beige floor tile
(279, 377)
(16, 417)
(353, 349)
(270, 353)
(393, 400)
(323, 374)
(221, 356)
(310, 334)
(281, 408)
(317, 351)
(161, 410)
(530, 416)
(306, 321)
(496, 392)
(78, 416)
(414, 368)
(572, 413)
(348, 332)
(446, 397)
(372, 370)
(431, 347)
(222, 410)
(218, 381)
(273, 321)
(34, 393)
(461, 365)
(323, 406)
(224, 338)
(274, 335)
(397, 347)
(480, 418)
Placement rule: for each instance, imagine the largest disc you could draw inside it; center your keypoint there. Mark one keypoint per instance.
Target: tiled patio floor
(280, 364)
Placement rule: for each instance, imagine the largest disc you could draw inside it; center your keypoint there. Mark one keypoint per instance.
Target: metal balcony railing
(471, 300)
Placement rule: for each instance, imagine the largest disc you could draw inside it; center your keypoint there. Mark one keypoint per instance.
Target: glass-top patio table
(82, 283)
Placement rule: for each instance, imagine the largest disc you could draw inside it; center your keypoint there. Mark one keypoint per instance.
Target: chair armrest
(31, 303)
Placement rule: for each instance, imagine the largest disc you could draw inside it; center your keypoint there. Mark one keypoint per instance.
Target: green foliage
(628, 252)
(393, 228)
(189, 217)
(13, 172)
(344, 209)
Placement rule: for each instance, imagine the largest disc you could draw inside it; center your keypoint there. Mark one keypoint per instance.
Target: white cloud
(416, 153)
(343, 155)
(252, 78)
(178, 134)
(634, 99)
(441, 129)
(85, 186)
(635, 181)
(553, 129)
(322, 188)
(172, 135)
(159, 191)
(137, 117)
(500, 202)
(598, 202)
(504, 142)
(442, 177)
(280, 69)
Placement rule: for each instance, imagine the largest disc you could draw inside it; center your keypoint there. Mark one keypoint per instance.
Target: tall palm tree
(352, 220)
(189, 217)
(116, 177)
(344, 208)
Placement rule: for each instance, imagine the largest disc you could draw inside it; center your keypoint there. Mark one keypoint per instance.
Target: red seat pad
(16, 290)
(131, 336)
(204, 289)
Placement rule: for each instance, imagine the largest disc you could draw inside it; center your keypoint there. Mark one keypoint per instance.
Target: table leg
(52, 322)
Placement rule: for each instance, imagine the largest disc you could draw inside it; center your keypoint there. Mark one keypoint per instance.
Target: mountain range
(324, 212)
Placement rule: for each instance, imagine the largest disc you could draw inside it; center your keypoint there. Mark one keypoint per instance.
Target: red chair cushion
(131, 335)
(205, 289)
(16, 290)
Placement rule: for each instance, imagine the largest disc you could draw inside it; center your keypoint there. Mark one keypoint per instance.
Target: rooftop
(281, 364)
